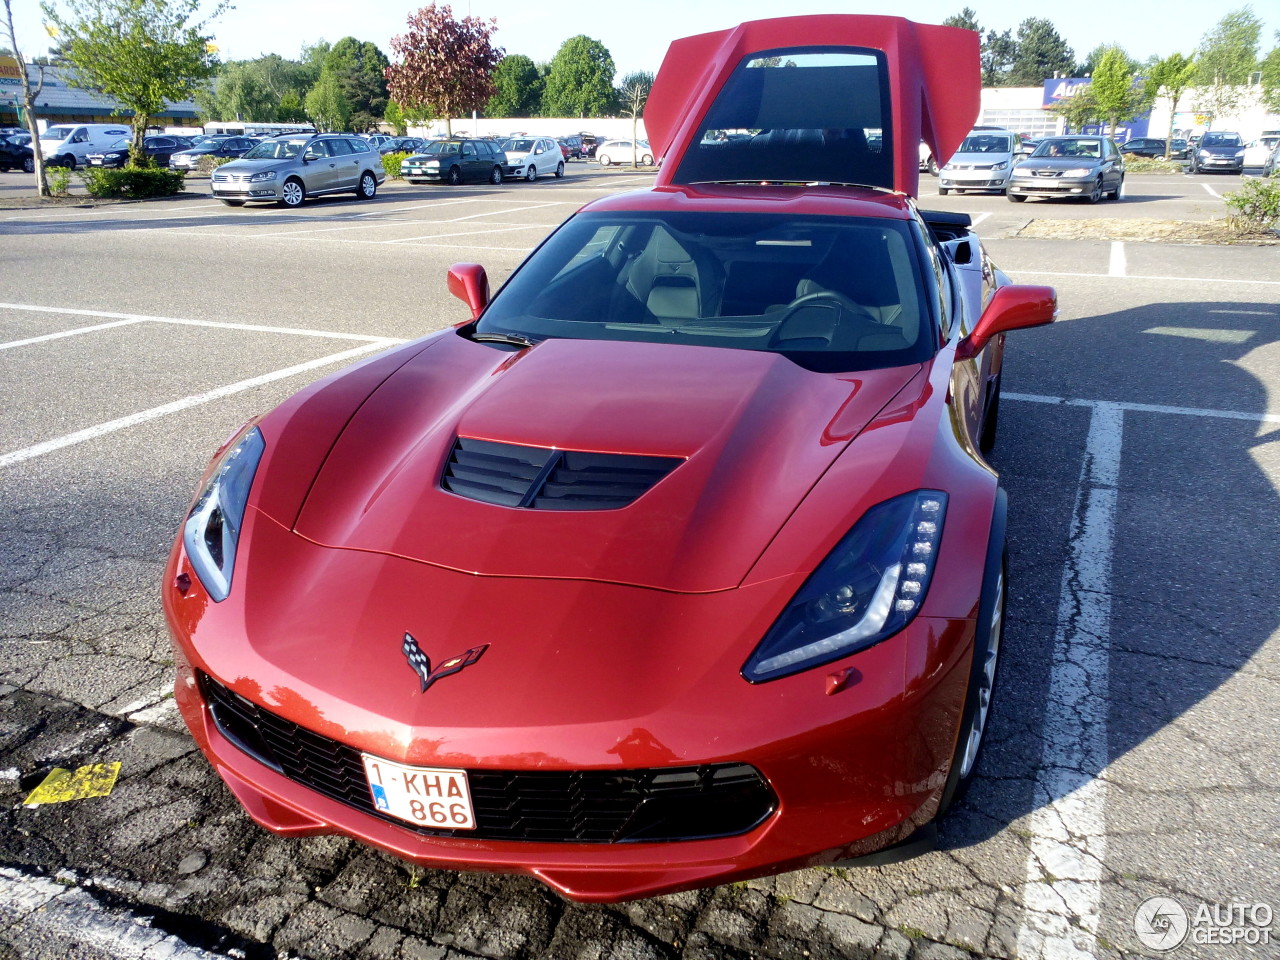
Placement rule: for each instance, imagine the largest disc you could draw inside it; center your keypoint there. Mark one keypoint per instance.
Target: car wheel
(646, 161)
(29, 165)
(604, 160)
(531, 174)
(943, 191)
(69, 161)
(974, 718)
(559, 170)
(455, 176)
(368, 187)
(495, 176)
(292, 193)
(933, 167)
(1118, 192)
(234, 203)
(1096, 193)
(1015, 197)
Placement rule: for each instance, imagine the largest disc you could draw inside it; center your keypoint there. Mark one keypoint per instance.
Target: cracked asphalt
(1135, 740)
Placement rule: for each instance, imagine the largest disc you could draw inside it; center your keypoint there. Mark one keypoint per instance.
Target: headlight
(1000, 166)
(112, 156)
(1205, 154)
(212, 530)
(432, 163)
(1077, 172)
(948, 166)
(867, 589)
(262, 177)
(1239, 154)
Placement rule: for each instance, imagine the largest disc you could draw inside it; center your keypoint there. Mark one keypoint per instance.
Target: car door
(470, 162)
(319, 169)
(346, 169)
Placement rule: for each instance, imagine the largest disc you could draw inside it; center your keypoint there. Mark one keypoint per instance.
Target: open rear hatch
(836, 98)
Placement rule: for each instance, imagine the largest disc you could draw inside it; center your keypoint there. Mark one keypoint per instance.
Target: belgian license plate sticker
(425, 796)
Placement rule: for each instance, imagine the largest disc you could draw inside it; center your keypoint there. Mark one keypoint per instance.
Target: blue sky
(637, 33)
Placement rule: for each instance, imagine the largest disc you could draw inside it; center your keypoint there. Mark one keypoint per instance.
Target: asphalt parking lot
(1135, 744)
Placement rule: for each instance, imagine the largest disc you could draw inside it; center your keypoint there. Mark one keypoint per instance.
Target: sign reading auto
(10, 72)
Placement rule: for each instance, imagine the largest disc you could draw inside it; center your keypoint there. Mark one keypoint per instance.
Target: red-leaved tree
(443, 64)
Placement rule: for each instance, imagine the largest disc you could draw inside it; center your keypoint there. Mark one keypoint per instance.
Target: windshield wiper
(514, 339)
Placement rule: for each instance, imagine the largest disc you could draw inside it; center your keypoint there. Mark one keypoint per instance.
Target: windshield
(443, 148)
(1069, 147)
(832, 293)
(276, 149)
(518, 146)
(1220, 140)
(987, 143)
(797, 115)
(120, 144)
(57, 133)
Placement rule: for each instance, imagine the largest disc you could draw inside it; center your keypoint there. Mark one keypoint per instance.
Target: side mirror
(1010, 308)
(470, 284)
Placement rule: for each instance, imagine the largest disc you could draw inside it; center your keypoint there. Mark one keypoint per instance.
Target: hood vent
(538, 478)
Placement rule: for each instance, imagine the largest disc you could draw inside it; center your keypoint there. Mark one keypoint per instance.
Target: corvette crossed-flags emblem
(421, 663)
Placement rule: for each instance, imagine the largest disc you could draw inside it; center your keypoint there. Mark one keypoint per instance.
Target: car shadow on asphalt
(1193, 595)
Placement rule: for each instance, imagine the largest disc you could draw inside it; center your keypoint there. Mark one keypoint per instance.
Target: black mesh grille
(542, 479)
(574, 806)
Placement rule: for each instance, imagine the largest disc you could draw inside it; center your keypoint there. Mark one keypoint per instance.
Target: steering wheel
(800, 302)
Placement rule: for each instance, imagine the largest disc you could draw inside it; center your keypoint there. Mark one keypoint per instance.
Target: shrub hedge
(134, 183)
(391, 164)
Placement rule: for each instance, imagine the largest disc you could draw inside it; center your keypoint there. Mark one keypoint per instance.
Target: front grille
(549, 806)
(539, 478)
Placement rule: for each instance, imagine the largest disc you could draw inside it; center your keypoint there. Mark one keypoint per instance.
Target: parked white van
(68, 144)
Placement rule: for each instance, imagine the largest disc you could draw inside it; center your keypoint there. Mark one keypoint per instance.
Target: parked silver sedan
(1076, 167)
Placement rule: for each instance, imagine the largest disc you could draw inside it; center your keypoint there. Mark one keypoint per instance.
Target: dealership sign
(10, 72)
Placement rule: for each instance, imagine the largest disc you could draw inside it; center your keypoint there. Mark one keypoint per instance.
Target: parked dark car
(1218, 152)
(16, 156)
(589, 144)
(1075, 167)
(231, 148)
(572, 146)
(1144, 147)
(402, 145)
(159, 149)
(456, 160)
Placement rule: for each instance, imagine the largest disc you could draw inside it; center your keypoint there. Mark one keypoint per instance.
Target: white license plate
(426, 796)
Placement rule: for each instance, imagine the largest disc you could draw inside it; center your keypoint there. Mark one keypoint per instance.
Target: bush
(391, 164)
(1256, 204)
(1152, 165)
(207, 164)
(58, 178)
(134, 183)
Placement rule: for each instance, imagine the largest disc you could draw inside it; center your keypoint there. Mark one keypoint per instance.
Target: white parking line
(1118, 265)
(68, 333)
(464, 233)
(1137, 276)
(126, 318)
(1063, 892)
(1212, 192)
(177, 406)
(1149, 408)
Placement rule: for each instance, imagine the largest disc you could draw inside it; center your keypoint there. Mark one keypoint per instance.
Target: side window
(340, 148)
(468, 151)
(316, 150)
(358, 146)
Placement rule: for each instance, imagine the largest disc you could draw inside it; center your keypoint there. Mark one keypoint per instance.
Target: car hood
(256, 166)
(1057, 163)
(1222, 149)
(980, 159)
(752, 432)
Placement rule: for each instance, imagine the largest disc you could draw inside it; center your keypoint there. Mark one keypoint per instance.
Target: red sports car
(680, 561)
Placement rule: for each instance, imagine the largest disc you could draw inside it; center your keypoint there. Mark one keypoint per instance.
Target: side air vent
(541, 479)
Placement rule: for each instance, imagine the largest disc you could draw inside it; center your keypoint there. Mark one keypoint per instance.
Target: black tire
(367, 189)
(29, 165)
(531, 173)
(559, 171)
(293, 193)
(987, 439)
(1016, 197)
(604, 160)
(943, 191)
(495, 176)
(933, 167)
(1096, 193)
(976, 716)
(1118, 191)
(646, 161)
(234, 203)
(455, 176)
(69, 161)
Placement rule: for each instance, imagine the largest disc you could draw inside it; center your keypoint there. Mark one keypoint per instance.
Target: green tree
(632, 95)
(443, 65)
(1169, 80)
(517, 88)
(966, 19)
(581, 80)
(1089, 66)
(1228, 54)
(1041, 54)
(29, 95)
(1116, 90)
(360, 69)
(237, 94)
(291, 108)
(394, 116)
(1080, 109)
(998, 53)
(1271, 78)
(326, 105)
(140, 53)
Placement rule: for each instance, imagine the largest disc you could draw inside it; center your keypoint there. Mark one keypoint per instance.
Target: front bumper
(421, 173)
(242, 190)
(1051, 186)
(1224, 164)
(854, 767)
(973, 179)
